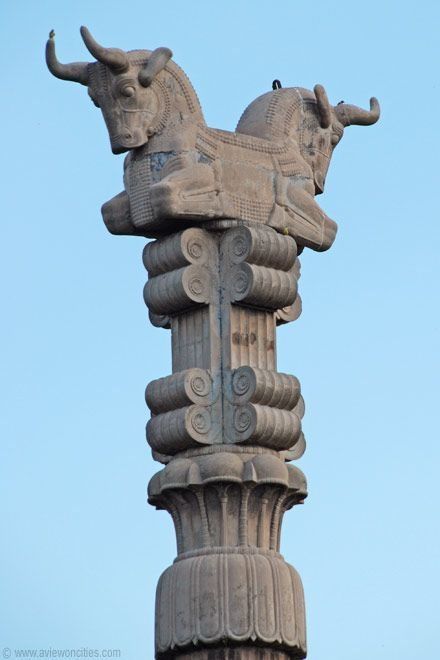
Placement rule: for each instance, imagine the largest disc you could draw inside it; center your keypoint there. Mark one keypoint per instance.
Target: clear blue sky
(81, 550)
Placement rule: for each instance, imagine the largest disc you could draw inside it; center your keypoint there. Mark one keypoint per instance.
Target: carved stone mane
(172, 82)
(278, 114)
(179, 172)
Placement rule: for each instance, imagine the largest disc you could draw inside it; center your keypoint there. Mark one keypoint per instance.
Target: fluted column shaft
(224, 424)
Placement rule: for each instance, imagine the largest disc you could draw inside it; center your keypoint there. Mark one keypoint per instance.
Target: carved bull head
(120, 84)
(318, 142)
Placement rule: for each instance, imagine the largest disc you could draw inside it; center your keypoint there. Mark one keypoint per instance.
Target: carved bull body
(179, 172)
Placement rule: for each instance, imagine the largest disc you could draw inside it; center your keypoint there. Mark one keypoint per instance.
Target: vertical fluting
(224, 424)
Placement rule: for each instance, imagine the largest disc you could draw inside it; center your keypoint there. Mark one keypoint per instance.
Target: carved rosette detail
(225, 423)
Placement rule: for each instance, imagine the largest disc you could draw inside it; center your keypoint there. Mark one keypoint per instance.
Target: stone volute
(229, 213)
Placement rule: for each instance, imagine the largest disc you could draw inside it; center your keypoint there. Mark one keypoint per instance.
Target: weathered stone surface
(179, 171)
(224, 498)
(235, 653)
(224, 423)
(228, 334)
(241, 596)
(230, 211)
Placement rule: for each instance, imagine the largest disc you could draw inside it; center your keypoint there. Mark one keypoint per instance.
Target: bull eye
(128, 90)
(335, 139)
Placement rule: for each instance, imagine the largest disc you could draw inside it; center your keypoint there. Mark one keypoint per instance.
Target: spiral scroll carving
(262, 287)
(176, 430)
(224, 423)
(261, 246)
(178, 290)
(268, 427)
(268, 388)
(192, 246)
(179, 390)
(200, 420)
(244, 421)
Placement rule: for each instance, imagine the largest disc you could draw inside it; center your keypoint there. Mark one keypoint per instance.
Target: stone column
(226, 424)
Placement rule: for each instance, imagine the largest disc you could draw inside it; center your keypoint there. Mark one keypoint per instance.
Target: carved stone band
(192, 246)
(180, 429)
(179, 390)
(227, 500)
(269, 427)
(235, 653)
(268, 388)
(178, 290)
(261, 246)
(238, 597)
(263, 287)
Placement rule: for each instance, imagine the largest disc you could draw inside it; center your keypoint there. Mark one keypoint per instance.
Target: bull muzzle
(127, 140)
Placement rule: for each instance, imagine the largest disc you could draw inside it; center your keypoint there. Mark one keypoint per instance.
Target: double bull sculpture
(180, 172)
(230, 212)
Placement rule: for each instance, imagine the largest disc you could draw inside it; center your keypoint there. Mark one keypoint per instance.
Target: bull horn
(351, 114)
(115, 58)
(75, 71)
(324, 108)
(156, 62)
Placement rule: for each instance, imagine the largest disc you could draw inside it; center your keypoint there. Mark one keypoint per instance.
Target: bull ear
(156, 62)
(324, 108)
